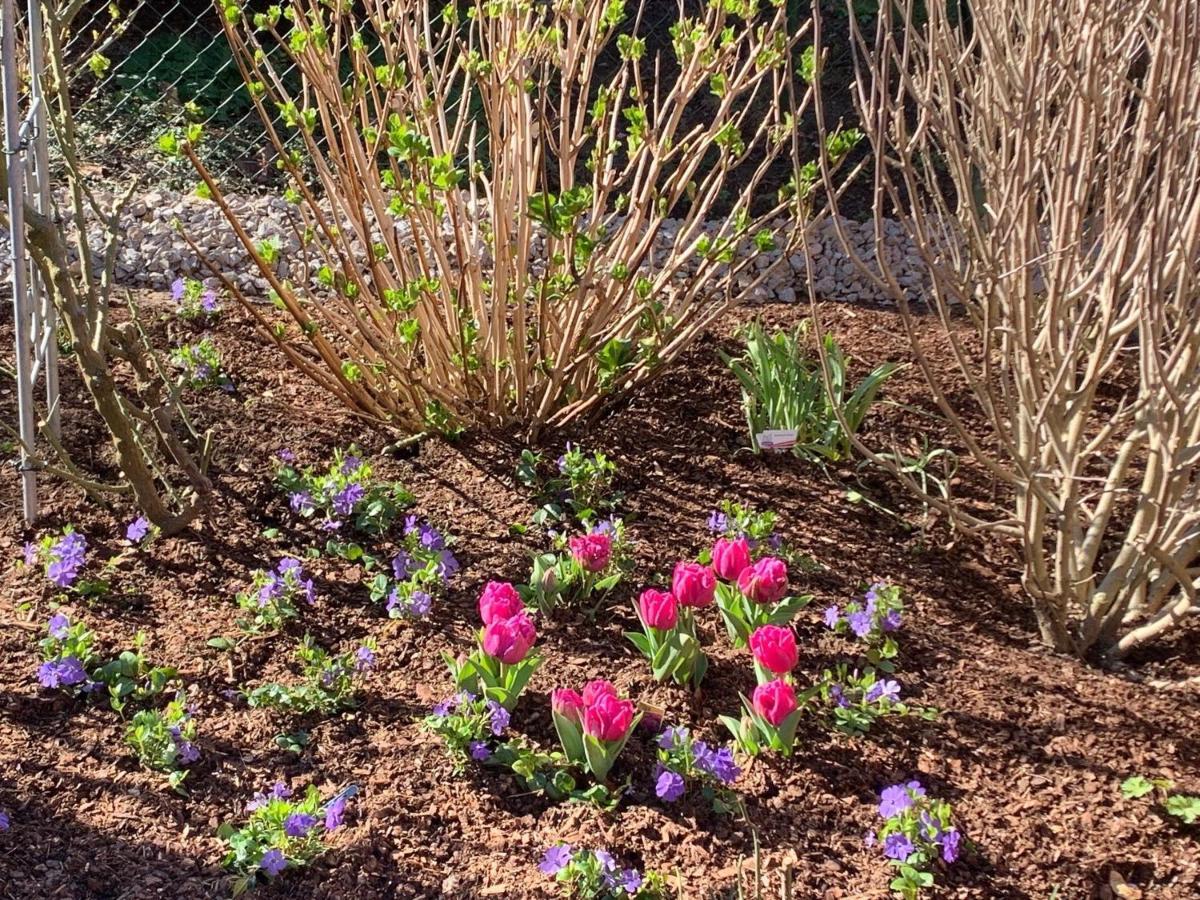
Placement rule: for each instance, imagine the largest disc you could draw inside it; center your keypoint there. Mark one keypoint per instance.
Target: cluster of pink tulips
(594, 726)
(502, 664)
(751, 594)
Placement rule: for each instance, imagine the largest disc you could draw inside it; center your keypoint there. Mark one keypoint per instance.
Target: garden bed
(1030, 748)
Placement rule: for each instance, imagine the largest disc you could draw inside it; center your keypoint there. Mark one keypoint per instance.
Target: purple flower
(884, 691)
(410, 524)
(861, 622)
(447, 566)
(273, 862)
(347, 498)
(774, 541)
(672, 737)
(4, 823)
(208, 301)
(297, 825)
(63, 672)
(137, 530)
(724, 768)
(68, 556)
(431, 538)
(869, 839)
(479, 751)
(898, 846)
(188, 752)
(500, 717)
(442, 709)
(607, 863)
(286, 455)
(31, 553)
(178, 289)
(605, 526)
(58, 626)
(670, 786)
(364, 659)
(832, 615)
(335, 812)
(290, 564)
(838, 696)
(330, 525)
(555, 859)
(899, 797)
(301, 502)
(717, 522)
(630, 881)
(350, 463)
(279, 791)
(891, 622)
(704, 756)
(950, 841)
(401, 563)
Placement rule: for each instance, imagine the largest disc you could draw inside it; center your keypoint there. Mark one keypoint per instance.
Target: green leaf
(1185, 808)
(221, 643)
(1136, 786)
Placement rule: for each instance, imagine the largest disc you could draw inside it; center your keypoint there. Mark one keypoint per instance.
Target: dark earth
(1029, 747)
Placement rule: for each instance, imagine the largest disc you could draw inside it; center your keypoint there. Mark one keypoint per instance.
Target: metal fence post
(22, 320)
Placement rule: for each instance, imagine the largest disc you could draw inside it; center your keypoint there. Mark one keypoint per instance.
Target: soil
(1029, 747)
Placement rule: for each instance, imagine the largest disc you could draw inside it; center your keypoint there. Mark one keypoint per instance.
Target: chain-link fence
(142, 66)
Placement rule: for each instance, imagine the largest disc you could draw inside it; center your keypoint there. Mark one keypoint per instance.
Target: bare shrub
(1045, 159)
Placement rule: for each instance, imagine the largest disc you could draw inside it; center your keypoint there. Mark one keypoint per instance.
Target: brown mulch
(1030, 747)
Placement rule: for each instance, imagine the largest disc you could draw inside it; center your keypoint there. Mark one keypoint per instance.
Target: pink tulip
(499, 600)
(592, 551)
(568, 704)
(596, 689)
(693, 584)
(509, 640)
(764, 582)
(774, 648)
(608, 718)
(730, 557)
(774, 701)
(659, 609)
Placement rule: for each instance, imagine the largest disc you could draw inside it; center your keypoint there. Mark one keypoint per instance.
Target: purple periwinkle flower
(301, 502)
(64, 672)
(607, 863)
(420, 603)
(350, 463)
(724, 768)
(630, 881)
(410, 524)
(401, 563)
(950, 841)
(838, 696)
(774, 541)
(335, 813)
(137, 529)
(364, 659)
(273, 862)
(4, 823)
(447, 565)
(670, 786)
(208, 301)
(279, 791)
(717, 523)
(330, 525)
(297, 825)
(672, 737)
(555, 859)
(31, 553)
(479, 751)
(178, 289)
(431, 538)
(68, 556)
(897, 846)
(891, 622)
(347, 498)
(605, 526)
(885, 691)
(832, 615)
(899, 797)
(188, 752)
(58, 626)
(500, 717)
(861, 622)
(286, 455)
(290, 564)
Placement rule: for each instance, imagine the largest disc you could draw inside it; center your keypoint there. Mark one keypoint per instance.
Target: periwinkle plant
(63, 558)
(873, 621)
(200, 366)
(329, 683)
(420, 570)
(280, 833)
(165, 739)
(194, 301)
(579, 489)
(274, 596)
(470, 726)
(596, 875)
(918, 830)
(346, 497)
(684, 760)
